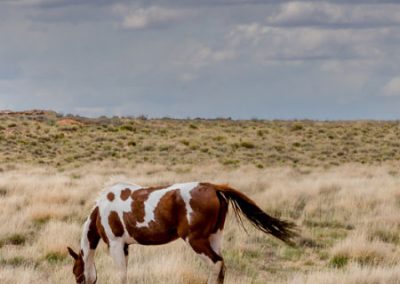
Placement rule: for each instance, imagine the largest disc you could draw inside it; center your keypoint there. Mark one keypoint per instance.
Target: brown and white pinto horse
(195, 212)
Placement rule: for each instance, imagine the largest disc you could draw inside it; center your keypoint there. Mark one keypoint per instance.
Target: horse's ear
(72, 253)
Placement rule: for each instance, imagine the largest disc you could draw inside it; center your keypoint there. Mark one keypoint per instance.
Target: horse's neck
(85, 245)
(88, 253)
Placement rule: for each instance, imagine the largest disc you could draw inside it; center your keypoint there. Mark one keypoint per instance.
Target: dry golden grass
(348, 216)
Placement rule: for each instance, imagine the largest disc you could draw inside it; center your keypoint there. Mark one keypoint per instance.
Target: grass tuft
(339, 261)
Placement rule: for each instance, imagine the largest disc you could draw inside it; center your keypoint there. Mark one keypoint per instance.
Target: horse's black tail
(283, 230)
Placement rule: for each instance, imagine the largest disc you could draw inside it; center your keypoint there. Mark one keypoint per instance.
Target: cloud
(194, 57)
(296, 13)
(140, 18)
(57, 3)
(203, 55)
(187, 77)
(329, 14)
(27, 2)
(305, 43)
(392, 88)
(350, 73)
(70, 55)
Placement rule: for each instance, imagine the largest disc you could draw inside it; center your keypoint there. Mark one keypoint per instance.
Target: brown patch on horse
(93, 234)
(206, 209)
(115, 224)
(208, 216)
(223, 202)
(137, 210)
(101, 230)
(223, 186)
(110, 196)
(183, 224)
(163, 229)
(125, 194)
(137, 207)
(203, 246)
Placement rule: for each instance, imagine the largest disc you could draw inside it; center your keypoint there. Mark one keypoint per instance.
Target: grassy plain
(51, 139)
(339, 181)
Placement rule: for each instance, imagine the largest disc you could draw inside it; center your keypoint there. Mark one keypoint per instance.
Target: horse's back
(157, 215)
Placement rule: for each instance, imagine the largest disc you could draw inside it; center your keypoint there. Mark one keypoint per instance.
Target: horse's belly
(156, 232)
(149, 236)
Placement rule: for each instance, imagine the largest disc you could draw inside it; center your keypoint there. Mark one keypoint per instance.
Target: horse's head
(79, 267)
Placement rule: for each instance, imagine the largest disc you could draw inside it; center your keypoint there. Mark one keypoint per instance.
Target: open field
(339, 181)
(59, 141)
(348, 215)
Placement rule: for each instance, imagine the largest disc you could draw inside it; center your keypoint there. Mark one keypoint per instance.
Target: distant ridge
(27, 112)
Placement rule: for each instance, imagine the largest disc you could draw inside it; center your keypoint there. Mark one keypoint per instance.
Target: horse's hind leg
(205, 230)
(209, 249)
(216, 245)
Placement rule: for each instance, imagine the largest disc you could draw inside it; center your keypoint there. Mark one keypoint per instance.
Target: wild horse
(195, 212)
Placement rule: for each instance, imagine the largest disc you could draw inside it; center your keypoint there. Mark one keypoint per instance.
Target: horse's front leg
(119, 252)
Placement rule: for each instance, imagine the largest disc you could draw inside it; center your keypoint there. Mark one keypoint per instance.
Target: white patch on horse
(117, 188)
(154, 198)
(84, 239)
(216, 241)
(186, 196)
(205, 259)
(118, 205)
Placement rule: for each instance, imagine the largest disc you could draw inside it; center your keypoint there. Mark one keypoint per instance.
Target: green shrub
(185, 142)
(127, 127)
(297, 127)
(339, 261)
(132, 143)
(16, 239)
(247, 145)
(54, 257)
(148, 148)
(218, 138)
(3, 192)
(14, 261)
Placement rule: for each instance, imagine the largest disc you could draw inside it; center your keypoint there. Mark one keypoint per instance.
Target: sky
(244, 59)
